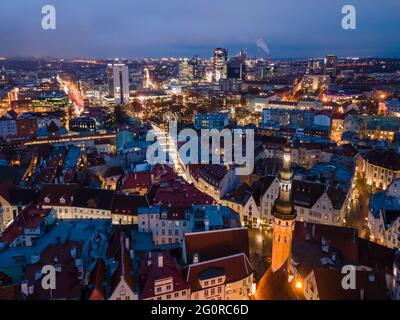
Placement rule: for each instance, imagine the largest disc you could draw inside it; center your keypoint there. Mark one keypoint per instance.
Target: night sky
(183, 28)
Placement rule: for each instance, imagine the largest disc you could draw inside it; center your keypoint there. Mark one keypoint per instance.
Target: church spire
(284, 215)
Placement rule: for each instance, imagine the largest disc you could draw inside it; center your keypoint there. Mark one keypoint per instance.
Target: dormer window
(46, 200)
(62, 200)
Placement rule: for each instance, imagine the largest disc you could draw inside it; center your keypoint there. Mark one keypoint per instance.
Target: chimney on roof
(31, 289)
(362, 294)
(38, 274)
(73, 252)
(24, 287)
(160, 260)
(305, 224)
(354, 235)
(371, 277)
(313, 231)
(127, 246)
(206, 224)
(35, 258)
(196, 258)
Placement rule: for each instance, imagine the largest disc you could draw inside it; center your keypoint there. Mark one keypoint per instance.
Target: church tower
(284, 215)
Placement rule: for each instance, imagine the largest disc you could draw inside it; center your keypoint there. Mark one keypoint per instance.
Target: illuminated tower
(220, 64)
(284, 216)
(118, 82)
(331, 65)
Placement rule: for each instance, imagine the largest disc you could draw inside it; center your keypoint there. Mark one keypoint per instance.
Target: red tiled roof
(216, 244)
(97, 278)
(179, 193)
(341, 239)
(54, 192)
(5, 280)
(128, 204)
(5, 188)
(371, 285)
(274, 286)
(68, 285)
(30, 217)
(234, 267)
(137, 180)
(148, 274)
(118, 251)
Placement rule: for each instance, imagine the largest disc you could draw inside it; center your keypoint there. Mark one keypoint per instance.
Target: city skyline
(176, 29)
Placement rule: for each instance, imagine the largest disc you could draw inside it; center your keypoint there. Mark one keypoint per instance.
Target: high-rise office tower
(331, 65)
(185, 70)
(118, 82)
(194, 63)
(220, 64)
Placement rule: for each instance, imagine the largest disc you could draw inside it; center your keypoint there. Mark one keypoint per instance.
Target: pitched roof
(337, 195)
(30, 217)
(340, 239)
(5, 280)
(16, 195)
(306, 194)
(217, 243)
(239, 195)
(128, 204)
(346, 243)
(178, 193)
(97, 277)
(118, 251)
(261, 186)
(371, 285)
(212, 173)
(114, 171)
(274, 286)
(386, 158)
(234, 267)
(93, 198)
(54, 192)
(137, 180)
(148, 274)
(68, 282)
(375, 255)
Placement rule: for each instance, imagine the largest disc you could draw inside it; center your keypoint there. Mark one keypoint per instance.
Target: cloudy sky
(182, 28)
